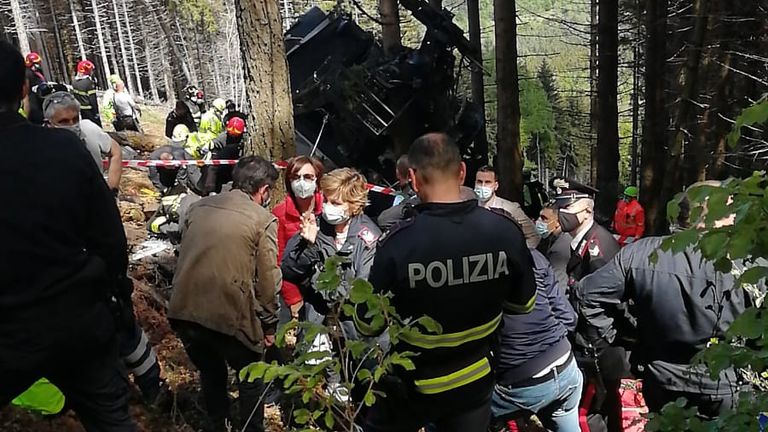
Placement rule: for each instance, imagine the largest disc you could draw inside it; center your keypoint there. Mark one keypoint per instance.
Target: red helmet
(33, 58)
(235, 126)
(85, 67)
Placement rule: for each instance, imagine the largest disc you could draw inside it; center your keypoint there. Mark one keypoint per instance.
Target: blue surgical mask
(542, 229)
(484, 193)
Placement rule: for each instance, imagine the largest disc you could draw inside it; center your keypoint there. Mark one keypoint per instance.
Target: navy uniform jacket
(595, 249)
(84, 90)
(459, 264)
(680, 302)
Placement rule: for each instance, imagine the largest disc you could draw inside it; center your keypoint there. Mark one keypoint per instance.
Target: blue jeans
(555, 402)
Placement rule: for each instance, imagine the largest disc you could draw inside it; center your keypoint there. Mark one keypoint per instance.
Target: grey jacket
(680, 303)
(302, 261)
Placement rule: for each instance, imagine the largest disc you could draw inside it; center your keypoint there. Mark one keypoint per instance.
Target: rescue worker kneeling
(461, 265)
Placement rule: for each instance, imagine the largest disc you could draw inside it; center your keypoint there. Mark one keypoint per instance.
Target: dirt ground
(138, 199)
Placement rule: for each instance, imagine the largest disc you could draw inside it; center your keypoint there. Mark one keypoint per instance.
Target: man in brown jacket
(224, 304)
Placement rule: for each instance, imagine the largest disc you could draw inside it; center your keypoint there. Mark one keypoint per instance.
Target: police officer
(461, 265)
(592, 246)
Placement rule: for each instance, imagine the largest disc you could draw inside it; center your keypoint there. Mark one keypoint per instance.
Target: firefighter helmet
(32, 59)
(235, 126)
(85, 67)
(180, 133)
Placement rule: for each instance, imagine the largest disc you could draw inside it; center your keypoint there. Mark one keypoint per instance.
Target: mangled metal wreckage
(354, 106)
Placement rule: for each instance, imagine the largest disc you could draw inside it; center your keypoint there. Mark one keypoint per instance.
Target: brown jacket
(227, 278)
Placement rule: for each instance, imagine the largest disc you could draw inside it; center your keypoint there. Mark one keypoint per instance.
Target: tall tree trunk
(139, 87)
(478, 84)
(608, 125)
(148, 58)
(509, 153)
(100, 37)
(112, 49)
(170, 93)
(390, 29)
(190, 65)
(59, 46)
(265, 69)
(179, 66)
(594, 103)
(123, 52)
(673, 176)
(78, 33)
(636, 53)
(21, 28)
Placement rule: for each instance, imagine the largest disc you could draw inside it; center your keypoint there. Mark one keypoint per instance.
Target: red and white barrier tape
(176, 163)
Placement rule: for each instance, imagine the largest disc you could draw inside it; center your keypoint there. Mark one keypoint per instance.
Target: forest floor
(151, 293)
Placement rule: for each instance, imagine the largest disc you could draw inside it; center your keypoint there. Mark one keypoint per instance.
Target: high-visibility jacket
(629, 220)
(211, 123)
(42, 397)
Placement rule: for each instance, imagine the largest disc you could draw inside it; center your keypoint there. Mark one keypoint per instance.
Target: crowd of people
(543, 310)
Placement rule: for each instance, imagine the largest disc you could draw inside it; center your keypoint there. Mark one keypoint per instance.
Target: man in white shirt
(486, 185)
(62, 110)
(126, 110)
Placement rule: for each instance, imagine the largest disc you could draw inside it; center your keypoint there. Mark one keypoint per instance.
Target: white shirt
(124, 104)
(580, 236)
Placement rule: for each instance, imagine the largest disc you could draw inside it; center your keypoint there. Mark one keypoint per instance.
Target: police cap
(568, 191)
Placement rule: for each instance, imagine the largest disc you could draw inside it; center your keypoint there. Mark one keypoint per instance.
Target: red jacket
(629, 220)
(288, 224)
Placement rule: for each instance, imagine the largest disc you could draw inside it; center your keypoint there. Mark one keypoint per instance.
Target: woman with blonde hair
(342, 229)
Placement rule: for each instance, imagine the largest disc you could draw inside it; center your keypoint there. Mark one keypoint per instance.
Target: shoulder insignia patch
(367, 236)
(594, 248)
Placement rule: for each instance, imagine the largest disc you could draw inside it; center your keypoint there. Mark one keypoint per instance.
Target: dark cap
(569, 191)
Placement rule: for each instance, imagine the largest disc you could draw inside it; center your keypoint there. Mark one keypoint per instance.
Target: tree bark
(100, 37)
(21, 28)
(57, 36)
(78, 33)
(123, 52)
(112, 49)
(265, 70)
(608, 123)
(148, 57)
(136, 72)
(478, 84)
(390, 29)
(438, 4)
(673, 175)
(594, 104)
(509, 154)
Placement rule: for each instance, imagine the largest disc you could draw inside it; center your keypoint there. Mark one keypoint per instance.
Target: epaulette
(396, 228)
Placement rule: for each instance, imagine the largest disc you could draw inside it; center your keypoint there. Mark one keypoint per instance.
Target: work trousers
(466, 409)
(211, 352)
(78, 354)
(141, 360)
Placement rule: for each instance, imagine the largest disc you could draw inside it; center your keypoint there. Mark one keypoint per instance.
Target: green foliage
(745, 241)
(359, 364)
(756, 114)
(196, 14)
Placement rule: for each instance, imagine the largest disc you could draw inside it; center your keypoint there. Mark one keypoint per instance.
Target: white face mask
(334, 214)
(303, 188)
(74, 128)
(484, 193)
